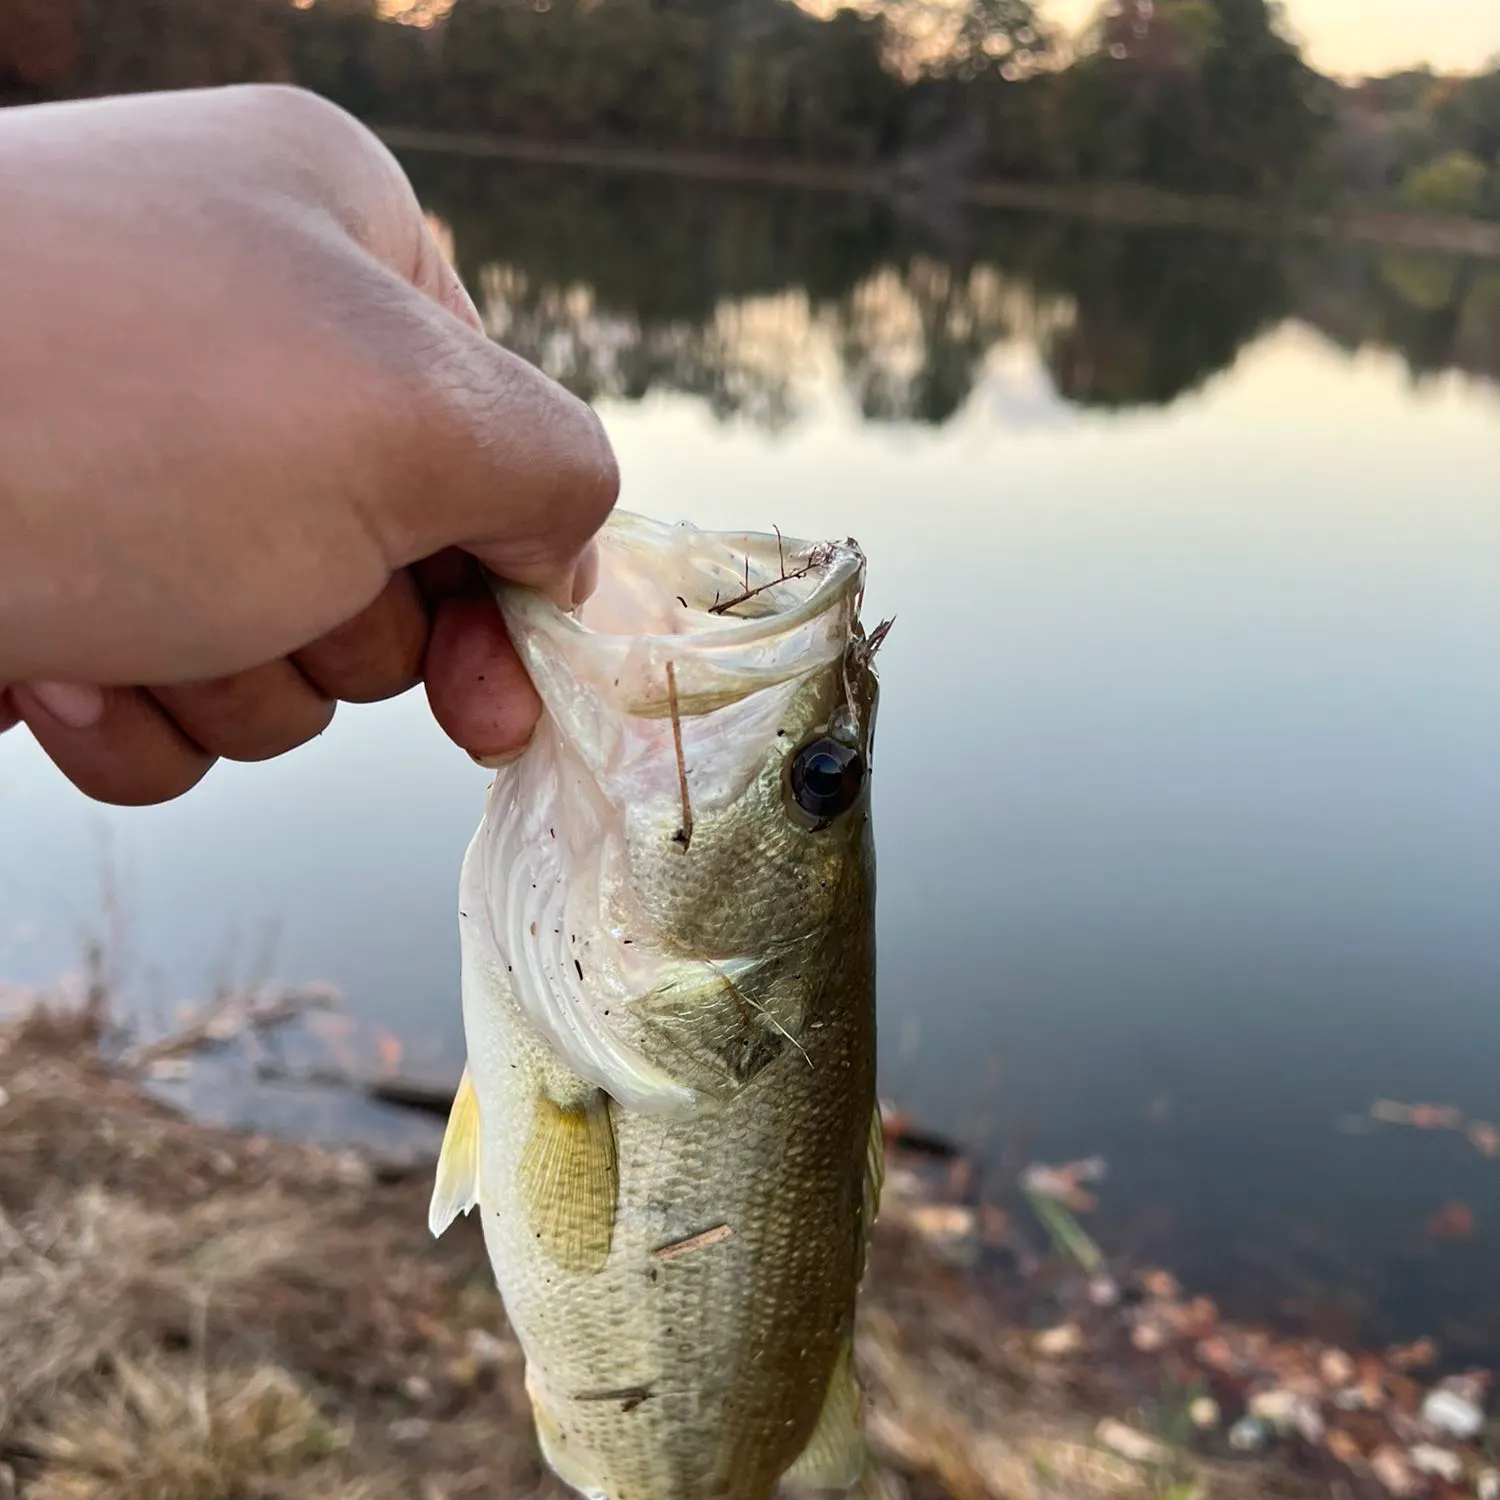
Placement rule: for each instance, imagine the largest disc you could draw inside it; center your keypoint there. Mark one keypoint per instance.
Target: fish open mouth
(731, 613)
(675, 580)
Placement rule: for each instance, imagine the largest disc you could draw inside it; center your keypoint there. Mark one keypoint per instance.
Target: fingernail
(497, 762)
(74, 704)
(586, 575)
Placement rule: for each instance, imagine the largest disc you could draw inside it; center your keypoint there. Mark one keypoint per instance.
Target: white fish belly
(694, 1364)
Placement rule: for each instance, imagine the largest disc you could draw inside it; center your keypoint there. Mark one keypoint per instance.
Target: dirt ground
(191, 1314)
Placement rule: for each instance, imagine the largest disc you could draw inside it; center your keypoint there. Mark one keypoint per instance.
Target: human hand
(253, 441)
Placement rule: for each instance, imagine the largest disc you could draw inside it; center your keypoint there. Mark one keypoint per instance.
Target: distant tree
(1467, 113)
(623, 68)
(962, 39)
(1156, 311)
(1195, 95)
(380, 71)
(130, 45)
(1453, 184)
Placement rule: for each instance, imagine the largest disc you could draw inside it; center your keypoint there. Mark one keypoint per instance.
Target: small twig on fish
(629, 1396)
(817, 558)
(872, 643)
(860, 653)
(685, 833)
(678, 1248)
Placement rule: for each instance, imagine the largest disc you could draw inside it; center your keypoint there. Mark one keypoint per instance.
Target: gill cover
(551, 843)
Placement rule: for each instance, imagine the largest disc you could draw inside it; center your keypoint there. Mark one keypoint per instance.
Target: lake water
(1188, 784)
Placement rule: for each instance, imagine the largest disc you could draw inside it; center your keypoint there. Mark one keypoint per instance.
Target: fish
(668, 1121)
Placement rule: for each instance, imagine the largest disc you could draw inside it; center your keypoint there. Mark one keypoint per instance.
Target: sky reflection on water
(1188, 798)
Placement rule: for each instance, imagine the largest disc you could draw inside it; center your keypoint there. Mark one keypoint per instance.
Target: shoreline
(187, 1305)
(1135, 207)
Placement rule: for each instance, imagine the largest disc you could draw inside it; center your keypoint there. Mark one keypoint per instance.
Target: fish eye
(826, 777)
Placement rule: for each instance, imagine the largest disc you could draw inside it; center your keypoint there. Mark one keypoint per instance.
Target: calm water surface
(1188, 782)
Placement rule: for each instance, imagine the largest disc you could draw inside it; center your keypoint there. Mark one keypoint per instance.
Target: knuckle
(366, 682)
(138, 782)
(250, 716)
(292, 107)
(266, 735)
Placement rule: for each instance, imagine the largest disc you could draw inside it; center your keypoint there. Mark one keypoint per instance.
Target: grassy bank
(1127, 205)
(191, 1314)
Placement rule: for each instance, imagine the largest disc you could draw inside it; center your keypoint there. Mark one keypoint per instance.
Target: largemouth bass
(668, 1119)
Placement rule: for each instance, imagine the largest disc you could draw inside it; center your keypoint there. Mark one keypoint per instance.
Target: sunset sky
(1371, 36)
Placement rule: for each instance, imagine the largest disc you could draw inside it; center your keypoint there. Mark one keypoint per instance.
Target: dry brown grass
(190, 1314)
(176, 1431)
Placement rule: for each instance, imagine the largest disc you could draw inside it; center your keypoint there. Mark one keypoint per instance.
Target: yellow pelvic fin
(456, 1189)
(569, 1463)
(835, 1455)
(570, 1181)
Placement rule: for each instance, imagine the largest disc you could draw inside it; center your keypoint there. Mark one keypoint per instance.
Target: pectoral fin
(456, 1189)
(835, 1455)
(570, 1182)
(874, 1172)
(874, 1181)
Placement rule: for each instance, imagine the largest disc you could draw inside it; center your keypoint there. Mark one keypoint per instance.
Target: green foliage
(1453, 184)
(1197, 96)
(963, 39)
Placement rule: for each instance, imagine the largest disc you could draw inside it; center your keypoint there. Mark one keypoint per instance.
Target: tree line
(1187, 95)
(620, 286)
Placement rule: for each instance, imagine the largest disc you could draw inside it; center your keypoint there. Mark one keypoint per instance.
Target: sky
(1350, 37)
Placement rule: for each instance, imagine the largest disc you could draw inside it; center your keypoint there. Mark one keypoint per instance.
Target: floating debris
(1286, 1411)
(1453, 1221)
(1249, 1435)
(1067, 1234)
(1058, 1342)
(1104, 1290)
(1442, 1463)
(1204, 1413)
(1415, 1356)
(1137, 1447)
(1481, 1134)
(1148, 1336)
(1064, 1184)
(951, 1229)
(1389, 1466)
(1454, 1408)
(1342, 1446)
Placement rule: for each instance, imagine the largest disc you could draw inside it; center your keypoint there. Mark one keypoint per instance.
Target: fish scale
(675, 1159)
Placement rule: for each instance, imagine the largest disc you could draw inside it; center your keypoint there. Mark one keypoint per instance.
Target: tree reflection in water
(623, 286)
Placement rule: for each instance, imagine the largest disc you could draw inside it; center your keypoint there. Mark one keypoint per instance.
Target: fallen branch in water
(231, 1014)
(414, 1094)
